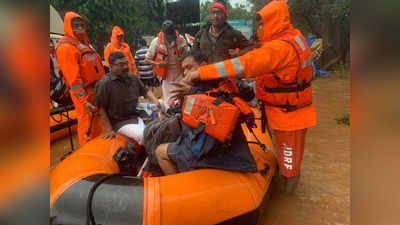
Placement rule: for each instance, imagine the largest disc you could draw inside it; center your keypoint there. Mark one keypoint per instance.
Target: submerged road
(323, 194)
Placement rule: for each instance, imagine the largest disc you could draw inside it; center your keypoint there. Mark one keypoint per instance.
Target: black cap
(168, 28)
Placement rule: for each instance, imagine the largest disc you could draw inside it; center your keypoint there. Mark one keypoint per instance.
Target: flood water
(323, 194)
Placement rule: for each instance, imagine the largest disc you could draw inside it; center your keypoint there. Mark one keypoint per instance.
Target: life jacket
(89, 61)
(218, 110)
(162, 53)
(294, 92)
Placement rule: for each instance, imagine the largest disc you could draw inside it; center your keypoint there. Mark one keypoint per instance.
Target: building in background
(243, 25)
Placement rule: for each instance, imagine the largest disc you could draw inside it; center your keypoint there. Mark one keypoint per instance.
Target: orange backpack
(219, 117)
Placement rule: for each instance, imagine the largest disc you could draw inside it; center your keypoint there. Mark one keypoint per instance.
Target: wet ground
(60, 147)
(323, 194)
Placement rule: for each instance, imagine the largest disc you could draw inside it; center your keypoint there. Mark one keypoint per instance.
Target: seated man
(117, 97)
(193, 150)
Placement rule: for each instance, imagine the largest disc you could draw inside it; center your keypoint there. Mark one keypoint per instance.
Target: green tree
(133, 16)
(257, 5)
(156, 10)
(63, 6)
(327, 19)
(101, 16)
(237, 12)
(204, 14)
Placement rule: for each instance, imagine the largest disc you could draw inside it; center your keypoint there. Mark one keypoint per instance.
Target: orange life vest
(229, 87)
(294, 91)
(90, 64)
(162, 53)
(219, 117)
(212, 109)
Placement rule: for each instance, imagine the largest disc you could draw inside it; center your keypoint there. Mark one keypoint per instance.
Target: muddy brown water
(323, 194)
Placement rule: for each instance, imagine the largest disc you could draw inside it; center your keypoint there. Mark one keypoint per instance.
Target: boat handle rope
(258, 142)
(90, 220)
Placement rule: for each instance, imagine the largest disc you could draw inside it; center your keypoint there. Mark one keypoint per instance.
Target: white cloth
(134, 131)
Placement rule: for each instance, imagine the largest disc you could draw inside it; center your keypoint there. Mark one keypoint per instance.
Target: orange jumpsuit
(81, 67)
(278, 64)
(116, 45)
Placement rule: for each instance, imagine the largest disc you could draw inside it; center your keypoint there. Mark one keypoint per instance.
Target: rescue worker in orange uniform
(118, 44)
(81, 67)
(282, 67)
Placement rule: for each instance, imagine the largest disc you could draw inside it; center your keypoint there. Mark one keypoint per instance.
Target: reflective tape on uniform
(189, 105)
(237, 67)
(76, 86)
(80, 94)
(221, 70)
(306, 62)
(300, 43)
(81, 46)
(90, 58)
(163, 47)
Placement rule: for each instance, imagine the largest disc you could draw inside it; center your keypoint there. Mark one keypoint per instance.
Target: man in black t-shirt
(117, 96)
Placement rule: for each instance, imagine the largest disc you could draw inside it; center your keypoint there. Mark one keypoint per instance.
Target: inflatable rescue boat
(87, 188)
(63, 122)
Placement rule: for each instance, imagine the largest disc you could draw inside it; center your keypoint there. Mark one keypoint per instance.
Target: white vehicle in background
(56, 25)
(56, 31)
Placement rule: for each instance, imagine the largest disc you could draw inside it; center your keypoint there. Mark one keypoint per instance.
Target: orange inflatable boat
(62, 122)
(198, 197)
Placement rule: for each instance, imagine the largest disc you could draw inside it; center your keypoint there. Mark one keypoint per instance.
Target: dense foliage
(327, 19)
(135, 17)
(237, 12)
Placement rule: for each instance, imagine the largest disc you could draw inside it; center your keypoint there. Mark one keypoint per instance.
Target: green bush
(342, 70)
(344, 119)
